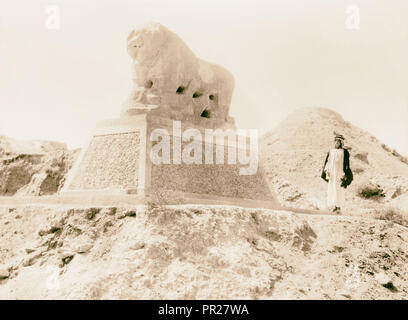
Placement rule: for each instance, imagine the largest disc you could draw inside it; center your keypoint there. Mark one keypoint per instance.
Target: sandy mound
(33, 167)
(10, 146)
(294, 152)
(197, 252)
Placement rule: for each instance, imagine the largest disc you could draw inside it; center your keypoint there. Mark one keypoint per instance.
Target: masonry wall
(221, 180)
(110, 161)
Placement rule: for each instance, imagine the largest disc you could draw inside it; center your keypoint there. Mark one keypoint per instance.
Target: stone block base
(117, 161)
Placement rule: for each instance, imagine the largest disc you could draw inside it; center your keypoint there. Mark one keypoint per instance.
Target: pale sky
(284, 54)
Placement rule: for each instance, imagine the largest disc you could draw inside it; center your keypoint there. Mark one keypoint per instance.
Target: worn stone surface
(171, 81)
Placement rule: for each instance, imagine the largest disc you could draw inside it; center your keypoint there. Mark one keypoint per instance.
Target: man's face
(337, 144)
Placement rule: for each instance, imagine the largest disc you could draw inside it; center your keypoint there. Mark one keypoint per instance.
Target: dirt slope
(194, 252)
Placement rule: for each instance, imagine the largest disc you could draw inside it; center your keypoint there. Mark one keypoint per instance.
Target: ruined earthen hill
(33, 168)
(293, 154)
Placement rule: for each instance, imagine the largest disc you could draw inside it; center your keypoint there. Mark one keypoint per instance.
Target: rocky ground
(198, 252)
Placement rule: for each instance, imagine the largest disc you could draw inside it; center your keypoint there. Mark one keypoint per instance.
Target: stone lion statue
(169, 80)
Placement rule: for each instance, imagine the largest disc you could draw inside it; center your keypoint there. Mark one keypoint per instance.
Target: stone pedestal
(117, 161)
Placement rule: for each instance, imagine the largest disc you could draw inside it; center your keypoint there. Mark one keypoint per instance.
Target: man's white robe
(334, 172)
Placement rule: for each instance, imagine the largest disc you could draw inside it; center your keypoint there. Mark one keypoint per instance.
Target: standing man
(337, 172)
